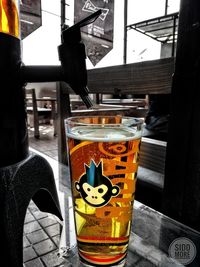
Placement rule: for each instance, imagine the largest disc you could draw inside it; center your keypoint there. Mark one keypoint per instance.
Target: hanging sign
(30, 16)
(97, 36)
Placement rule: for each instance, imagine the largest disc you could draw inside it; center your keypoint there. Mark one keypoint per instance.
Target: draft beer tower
(25, 176)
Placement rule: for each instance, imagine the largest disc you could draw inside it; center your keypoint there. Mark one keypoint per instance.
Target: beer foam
(104, 134)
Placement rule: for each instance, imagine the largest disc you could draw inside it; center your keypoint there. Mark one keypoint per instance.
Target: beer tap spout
(72, 56)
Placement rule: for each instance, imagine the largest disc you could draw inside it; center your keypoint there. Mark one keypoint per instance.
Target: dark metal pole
(166, 6)
(125, 31)
(182, 174)
(63, 4)
(173, 40)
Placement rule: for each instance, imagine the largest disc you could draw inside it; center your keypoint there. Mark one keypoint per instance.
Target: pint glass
(103, 158)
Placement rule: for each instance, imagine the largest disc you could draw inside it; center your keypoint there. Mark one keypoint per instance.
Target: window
(40, 47)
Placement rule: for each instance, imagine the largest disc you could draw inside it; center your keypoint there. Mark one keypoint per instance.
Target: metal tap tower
(13, 134)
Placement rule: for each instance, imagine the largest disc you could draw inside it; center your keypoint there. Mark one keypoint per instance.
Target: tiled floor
(47, 143)
(41, 238)
(42, 230)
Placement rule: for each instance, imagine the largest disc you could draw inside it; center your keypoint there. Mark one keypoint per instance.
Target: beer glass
(103, 158)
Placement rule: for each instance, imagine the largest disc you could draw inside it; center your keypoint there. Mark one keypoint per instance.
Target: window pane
(40, 47)
(51, 6)
(69, 12)
(173, 6)
(141, 47)
(139, 10)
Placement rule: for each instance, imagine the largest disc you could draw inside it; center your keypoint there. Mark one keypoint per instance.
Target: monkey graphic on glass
(103, 159)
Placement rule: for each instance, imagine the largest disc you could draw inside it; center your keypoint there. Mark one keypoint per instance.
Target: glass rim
(130, 121)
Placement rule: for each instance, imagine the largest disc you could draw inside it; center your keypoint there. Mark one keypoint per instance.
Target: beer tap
(15, 75)
(23, 175)
(72, 57)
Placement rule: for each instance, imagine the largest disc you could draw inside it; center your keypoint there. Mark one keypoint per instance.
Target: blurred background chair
(38, 115)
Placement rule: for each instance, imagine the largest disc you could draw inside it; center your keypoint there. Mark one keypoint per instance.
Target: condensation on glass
(9, 17)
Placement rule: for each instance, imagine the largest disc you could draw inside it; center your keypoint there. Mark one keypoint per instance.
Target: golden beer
(103, 157)
(9, 17)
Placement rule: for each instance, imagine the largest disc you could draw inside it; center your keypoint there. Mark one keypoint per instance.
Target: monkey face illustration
(95, 188)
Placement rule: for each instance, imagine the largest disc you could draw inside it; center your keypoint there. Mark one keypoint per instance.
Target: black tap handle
(72, 56)
(69, 33)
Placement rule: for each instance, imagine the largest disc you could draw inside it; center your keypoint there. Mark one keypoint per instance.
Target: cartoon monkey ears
(77, 186)
(115, 190)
